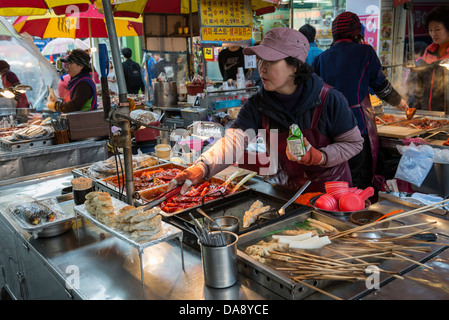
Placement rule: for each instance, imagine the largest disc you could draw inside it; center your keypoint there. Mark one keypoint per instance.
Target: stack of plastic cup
(327, 202)
(336, 188)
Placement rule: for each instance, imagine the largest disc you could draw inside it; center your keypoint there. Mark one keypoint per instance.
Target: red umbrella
(137, 7)
(88, 24)
(40, 7)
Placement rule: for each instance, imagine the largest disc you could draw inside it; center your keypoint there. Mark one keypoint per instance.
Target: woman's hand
(403, 106)
(311, 157)
(51, 106)
(186, 178)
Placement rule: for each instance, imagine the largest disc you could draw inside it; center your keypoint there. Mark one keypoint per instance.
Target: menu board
(225, 20)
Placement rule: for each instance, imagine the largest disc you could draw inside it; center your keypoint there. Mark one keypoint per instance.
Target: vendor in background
(162, 66)
(426, 86)
(229, 60)
(63, 93)
(310, 33)
(291, 94)
(10, 80)
(83, 92)
(352, 67)
(112, 79)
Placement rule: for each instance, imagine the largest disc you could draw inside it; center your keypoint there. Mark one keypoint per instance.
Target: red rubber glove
(312, 156)
(186, 178)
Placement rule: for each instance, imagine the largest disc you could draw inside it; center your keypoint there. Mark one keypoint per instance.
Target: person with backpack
(133, 76)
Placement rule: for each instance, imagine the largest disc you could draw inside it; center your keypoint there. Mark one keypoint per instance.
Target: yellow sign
(226, 20)
(226, 33)
(226, 13)
(209, 54)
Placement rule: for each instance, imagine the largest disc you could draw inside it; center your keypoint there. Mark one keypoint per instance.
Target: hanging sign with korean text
(226, 20)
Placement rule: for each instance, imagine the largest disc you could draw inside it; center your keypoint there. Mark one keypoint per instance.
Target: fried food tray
(146, 196)
(106, 186)
(270, 278)
(166, 233)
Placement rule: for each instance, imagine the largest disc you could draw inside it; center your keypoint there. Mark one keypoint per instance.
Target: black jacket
(133, 77)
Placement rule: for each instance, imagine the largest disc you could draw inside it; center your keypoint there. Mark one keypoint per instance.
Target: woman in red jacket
(10, 80)
(426, 85)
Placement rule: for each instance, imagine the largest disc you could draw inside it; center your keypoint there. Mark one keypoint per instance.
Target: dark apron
(292, 175)
(371, 127)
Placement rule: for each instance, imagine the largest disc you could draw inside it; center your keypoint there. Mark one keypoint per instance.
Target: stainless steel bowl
(227, 223)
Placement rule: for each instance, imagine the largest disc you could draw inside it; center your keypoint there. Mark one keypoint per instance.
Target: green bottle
(295, 142)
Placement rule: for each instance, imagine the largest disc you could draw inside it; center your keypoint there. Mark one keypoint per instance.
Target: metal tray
(63, 207)
(236, 206)
(147, 195)
(25, 144)
(167, 231)
(103, 185)
(270, 278)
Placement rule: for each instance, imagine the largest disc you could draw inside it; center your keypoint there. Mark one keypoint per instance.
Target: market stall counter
(90, 263)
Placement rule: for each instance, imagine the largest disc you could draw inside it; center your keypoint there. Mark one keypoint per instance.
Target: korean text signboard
(225, 20)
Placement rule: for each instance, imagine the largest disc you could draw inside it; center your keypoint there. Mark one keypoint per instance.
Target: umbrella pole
(123, 102)
(91, 53)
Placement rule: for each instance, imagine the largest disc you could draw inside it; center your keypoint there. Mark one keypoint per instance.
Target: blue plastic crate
(227, 104)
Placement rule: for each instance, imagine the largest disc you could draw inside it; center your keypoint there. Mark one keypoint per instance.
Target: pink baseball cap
(280, 43)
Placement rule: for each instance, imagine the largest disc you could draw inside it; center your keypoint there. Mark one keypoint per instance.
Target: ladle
(389, 214)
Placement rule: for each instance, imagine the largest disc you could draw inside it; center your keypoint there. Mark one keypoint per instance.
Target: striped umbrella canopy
(137, 7)
(87, 24)
(40, 7)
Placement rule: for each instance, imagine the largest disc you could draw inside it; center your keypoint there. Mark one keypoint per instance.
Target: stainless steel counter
(95, 265)
(99, 266)
(18, 163)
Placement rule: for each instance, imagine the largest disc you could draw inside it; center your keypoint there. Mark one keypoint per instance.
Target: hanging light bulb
(7, 94)
(445, 63)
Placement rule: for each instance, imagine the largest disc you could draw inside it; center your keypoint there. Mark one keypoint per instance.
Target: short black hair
(127, 52)
(309, 32)
(439, 14)
(303, 70)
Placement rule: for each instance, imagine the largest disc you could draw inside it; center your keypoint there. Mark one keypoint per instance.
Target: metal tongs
(162, 197)
(281, 211)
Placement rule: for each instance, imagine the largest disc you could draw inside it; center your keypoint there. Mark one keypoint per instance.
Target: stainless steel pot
(165, 94)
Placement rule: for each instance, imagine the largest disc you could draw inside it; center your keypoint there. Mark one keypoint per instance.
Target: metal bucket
(220, 263)
(165, 94)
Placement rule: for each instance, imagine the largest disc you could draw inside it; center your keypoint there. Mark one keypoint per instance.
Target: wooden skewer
(399, 227)
(416, 262)
(397, 216)
(394, 274)
(402, 256)
(318, 289)
(413, 233)
(309, 257)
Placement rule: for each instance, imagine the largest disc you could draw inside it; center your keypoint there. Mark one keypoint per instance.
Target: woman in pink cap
(291, 94)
